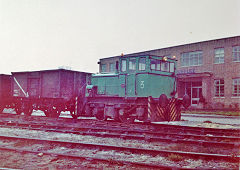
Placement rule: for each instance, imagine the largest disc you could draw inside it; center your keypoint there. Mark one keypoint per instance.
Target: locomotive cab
(145, 76)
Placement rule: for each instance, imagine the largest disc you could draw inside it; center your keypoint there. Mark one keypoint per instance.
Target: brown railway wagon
(51, 91)
(5, 91)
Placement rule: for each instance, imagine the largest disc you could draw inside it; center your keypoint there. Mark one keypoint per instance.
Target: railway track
(89, 148)
(137, 125)
(204, 140)
(234, 158)
(103, 129)
(125, 132)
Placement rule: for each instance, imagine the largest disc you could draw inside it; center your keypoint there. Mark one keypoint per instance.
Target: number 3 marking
(142, 85)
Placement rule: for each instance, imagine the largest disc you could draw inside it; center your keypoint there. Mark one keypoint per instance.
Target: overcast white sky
(46, 34)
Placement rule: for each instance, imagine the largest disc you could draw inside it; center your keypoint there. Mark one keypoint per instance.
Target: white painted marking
(142, 85)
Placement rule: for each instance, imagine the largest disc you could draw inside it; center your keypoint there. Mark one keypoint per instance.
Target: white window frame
(111, 67)
(165, 66)
(192, 59)
(236, 87)
(219, 88)
(172, 67)
(141, 65)
(132, 64)
(124, 65)
(219, 56)
(236, 54)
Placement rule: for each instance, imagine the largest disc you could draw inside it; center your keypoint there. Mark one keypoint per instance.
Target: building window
(142, 64)
(219, 88)
(103, 68)
(111, 66)
(236, 87)
(124, 65)
(191, 58)
(236, 53)
(132, 64)
(219, 56)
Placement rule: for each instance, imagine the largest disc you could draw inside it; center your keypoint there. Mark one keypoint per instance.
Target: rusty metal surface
(48, 84)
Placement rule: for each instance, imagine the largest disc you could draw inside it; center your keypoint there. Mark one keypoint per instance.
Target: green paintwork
(139, 83)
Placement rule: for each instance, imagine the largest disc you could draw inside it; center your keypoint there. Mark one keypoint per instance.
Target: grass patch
(175, 157)
(224, 113)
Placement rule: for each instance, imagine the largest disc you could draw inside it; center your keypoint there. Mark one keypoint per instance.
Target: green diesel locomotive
(143, 88)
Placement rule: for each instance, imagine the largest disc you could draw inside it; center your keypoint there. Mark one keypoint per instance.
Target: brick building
(207, 71)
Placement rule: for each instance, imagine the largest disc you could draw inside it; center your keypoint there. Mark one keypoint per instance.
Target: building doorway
(194, 90)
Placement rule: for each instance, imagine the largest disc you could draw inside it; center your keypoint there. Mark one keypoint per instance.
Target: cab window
(132, 64)
(158, 65)
(153, 64)
(165, 66)
(124, 65)
(103, 68)
(171, 67)
(142, 64)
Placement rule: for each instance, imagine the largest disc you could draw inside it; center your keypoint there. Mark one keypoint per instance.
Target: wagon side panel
(50, 84)
(19, 84)
(66, 84)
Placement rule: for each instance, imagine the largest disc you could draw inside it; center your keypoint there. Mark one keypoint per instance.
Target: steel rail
(79, 130)
(209, 116)
(72, 156)
(231, 158)
(153, 126)
(125, 136)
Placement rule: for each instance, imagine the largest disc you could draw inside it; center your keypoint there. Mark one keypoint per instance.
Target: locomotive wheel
(100, 115)
(28, 110)
(55, 113)
(52, 112)
(47, 113)
(18, 109)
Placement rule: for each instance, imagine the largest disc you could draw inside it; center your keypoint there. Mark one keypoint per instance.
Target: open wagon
(51, 91)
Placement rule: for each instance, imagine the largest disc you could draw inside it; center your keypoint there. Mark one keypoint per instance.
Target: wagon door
(33, 84)
(33, 87)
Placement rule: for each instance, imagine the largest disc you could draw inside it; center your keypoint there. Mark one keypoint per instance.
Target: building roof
(146, 52)
(49, 71)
